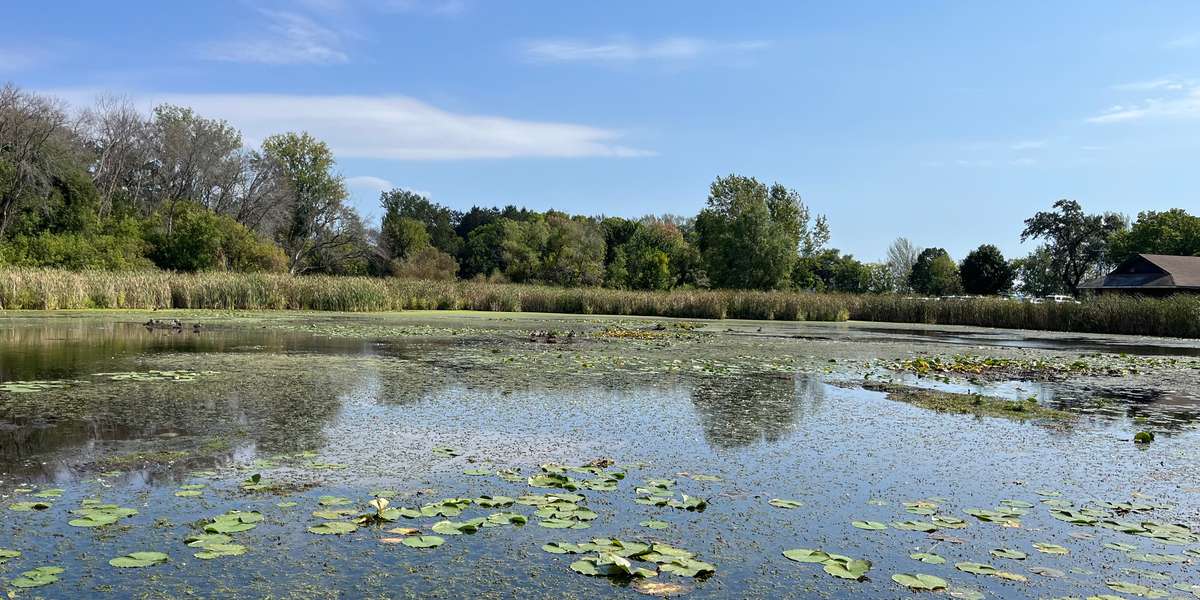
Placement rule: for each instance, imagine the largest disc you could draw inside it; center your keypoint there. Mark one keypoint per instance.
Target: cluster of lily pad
(26, 387)
(838, 565)
(661, 492)
(156, 375)
(93, 513)
(620, 558)
(555, 476)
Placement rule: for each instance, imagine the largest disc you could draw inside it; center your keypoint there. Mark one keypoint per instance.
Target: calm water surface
(351, 410)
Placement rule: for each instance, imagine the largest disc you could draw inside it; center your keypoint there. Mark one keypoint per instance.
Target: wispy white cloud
(1185, 104)
(369, 183)
(391, 127)
(625, 50)
(289, 38)
(432, 7)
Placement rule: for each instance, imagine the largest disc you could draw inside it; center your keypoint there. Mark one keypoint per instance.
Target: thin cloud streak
(392, 127)
(624, 50)
(290, 39)
(1182, 106)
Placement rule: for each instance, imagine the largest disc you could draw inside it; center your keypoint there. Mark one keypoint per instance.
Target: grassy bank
(50, 289)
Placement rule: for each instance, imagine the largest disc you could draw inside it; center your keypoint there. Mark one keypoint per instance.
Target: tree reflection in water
(739, 411)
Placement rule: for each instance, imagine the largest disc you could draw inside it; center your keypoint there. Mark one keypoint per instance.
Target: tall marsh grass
(36, 289)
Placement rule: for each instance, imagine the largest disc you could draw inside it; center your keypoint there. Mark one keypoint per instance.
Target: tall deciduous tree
(1172, 232)
(901, 256)
(750, 235)
(318, 221)
(935, 273)
(985, 271)
(1076, 241)
(34, 143)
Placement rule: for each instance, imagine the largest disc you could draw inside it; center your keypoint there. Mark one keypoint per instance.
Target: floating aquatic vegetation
(784, 503)
(654, 524)
(156, 375)
(447, 507)
(1137, 589)
(37, 577)
(212, 551)
(1009, 553)
(49, 493)
(423, 541)
(494, 501)
(838, 565)
(928, 557)
(6, 555)
(190, 490)
(615, 558)
(920, 581)
(924, 526)
(27, 387)
(135, 560)
(94, 514)
(1048, 548)
(445, 452)
(28, 506)
(234, 521)
(333, 528)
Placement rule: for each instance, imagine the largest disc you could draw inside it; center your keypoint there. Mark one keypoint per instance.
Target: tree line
(110, 187)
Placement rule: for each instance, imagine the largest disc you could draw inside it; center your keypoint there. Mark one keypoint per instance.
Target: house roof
(1172, 272)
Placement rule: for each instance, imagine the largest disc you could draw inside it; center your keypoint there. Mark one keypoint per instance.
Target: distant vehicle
(1060, 299)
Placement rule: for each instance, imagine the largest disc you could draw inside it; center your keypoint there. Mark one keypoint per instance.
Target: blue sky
(945, 122)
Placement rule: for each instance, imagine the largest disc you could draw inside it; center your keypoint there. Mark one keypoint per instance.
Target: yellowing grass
(37, 289)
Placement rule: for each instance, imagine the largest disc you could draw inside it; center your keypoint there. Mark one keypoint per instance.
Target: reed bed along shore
(36, 289)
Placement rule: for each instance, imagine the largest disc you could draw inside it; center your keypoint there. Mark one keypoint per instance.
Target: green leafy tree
(438, 220)
(1077, 242)
(402, 237)
(1036, 274)
(935, 274)
(750, 234)
(1173, 232)
(985, 271)
(201, 240)
(574, 249)
(318, 221)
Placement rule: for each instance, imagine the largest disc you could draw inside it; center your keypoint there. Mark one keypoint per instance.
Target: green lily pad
(806, 555)
(869, 525)
(919, 581)
(928, 557)
(655, 524)
(1047, 548)
(6, 555)
(423, 541)
(1009, 553)
(37, 577)
(333, 528)
(212, 551)
(136, 560)
(847, 569)
(782, 503)
(975, 568)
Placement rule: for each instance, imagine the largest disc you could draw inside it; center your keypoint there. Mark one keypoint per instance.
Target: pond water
(273, 413)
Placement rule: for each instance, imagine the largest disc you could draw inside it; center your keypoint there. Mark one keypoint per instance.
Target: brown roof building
(1151, 275)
